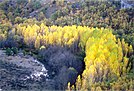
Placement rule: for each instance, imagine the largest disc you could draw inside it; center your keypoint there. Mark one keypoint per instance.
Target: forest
(85, 45)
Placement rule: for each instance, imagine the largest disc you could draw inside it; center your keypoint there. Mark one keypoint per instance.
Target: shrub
(15, 50)
(9, 52)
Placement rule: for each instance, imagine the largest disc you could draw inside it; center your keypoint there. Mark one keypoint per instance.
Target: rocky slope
(21, 73)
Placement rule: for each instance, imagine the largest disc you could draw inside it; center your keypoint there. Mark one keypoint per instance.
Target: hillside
(69, 45)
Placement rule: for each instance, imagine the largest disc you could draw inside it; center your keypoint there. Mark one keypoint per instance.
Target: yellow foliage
(105, 56)
(78, 83)
(37, 42)
(53, 35)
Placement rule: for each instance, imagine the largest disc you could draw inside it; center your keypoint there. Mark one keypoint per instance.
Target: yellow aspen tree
(98, 88)
(68, 87)
(72, 87)
(130, 50)
(78, 83)
(37, 42)
(51, 40)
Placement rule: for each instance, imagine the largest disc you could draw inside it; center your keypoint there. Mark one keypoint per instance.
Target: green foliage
(24, 52)
(54, 16)
(14, 50)
(36, 5)
(9, 52)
